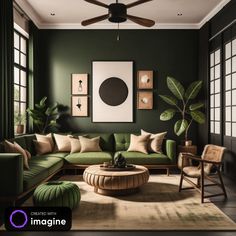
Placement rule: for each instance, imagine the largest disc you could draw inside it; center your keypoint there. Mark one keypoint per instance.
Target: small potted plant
(184, 106)
(19, 123)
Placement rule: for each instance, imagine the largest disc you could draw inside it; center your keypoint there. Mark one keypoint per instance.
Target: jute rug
(158, 206)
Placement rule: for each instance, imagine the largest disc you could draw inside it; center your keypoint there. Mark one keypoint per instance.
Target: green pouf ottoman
(57, 193)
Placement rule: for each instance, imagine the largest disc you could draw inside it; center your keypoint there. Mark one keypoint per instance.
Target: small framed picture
(79, 106)
(145, 79)
(145, 100)
(79, 84)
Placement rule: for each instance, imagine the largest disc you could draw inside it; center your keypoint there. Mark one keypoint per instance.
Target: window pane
(16, 40)
(23, 108)
(234, 97)
(23, 45)
(217, 56)
(212, 87)
(212, 101)
(234, 114)
(217, 114)
(16, 108)
(212, 114)
(234, 47)
(23, 60)
(217, 72)
(16, 75)
(212, 74)
(23, 78)
(228, 67)
(23, 94)
(228, 98)
(217, 100)
(16, 93)
(228, 50)
(228, 129)
(217, 86)
(217, 127)
(16, 56)
(234, 129)
(212, 59)
(234, 64)
(234, 80)
(212, 127)
(228, 82)
(228, 114)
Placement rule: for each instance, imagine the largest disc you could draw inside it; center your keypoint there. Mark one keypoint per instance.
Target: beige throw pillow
(42, 147)
(16, 148)
(138, 143)
(75, 145)
(90, 145)
(46, 139)
(155, 141)
(62, 142)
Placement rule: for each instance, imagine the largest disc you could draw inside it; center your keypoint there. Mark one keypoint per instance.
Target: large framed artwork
(112, 91)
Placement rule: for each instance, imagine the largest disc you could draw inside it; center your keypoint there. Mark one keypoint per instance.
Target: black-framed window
(215, 91)
(20, 78)
(230, 87)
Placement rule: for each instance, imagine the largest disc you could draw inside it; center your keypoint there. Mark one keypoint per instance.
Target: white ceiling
(70, 13)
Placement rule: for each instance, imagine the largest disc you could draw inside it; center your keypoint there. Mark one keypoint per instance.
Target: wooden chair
(211, 158)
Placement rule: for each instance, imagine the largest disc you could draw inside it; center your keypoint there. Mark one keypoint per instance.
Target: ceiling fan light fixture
(117, 12)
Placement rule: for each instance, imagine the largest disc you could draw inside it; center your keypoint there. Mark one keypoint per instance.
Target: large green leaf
(193, 90)
(180, 126)
(196, 106)
(198, 116)
(167, 114)
(42, 101)
(168, 99)
(175, 87)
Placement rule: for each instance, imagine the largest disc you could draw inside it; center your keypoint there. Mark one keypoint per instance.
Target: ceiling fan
(117, 13)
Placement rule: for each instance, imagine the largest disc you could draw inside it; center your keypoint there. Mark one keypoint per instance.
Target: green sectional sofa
(15, 182)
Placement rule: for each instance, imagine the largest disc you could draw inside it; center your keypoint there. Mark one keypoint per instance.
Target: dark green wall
(167, 52)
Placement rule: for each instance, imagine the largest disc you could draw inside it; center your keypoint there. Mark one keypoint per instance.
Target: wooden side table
(190, 149)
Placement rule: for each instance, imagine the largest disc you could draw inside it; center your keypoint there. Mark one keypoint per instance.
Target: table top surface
(95, 170)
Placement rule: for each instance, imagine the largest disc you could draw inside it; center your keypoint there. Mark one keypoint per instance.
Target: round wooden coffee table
(115, 182)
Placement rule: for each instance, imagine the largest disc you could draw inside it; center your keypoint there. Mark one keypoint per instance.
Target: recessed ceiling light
(179, 14)
(52, 14)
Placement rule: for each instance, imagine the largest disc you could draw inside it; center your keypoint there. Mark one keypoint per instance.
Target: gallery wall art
(145, 79)
(79, 105)
(112, 91)
(79, 84)
(144, 100)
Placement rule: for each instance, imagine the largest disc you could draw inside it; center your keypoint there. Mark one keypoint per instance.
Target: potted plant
(183, 106)
(19, 120)
(44, 117)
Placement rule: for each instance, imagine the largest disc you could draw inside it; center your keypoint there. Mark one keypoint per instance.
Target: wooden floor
(228, 207)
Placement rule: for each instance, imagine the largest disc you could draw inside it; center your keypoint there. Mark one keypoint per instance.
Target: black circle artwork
(113, 91)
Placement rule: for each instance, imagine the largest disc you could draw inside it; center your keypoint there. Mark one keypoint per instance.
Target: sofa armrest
(171, 150)
(11, 174)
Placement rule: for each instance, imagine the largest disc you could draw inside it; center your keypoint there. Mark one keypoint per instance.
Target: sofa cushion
(138, 158)
(29, 138)
(21, 141)
(40, 168)
(139, 143)
(89, 158)
(61, 155)
(90, 144)
(122, 141)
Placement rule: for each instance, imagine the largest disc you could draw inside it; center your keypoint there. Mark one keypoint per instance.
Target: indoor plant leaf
(175, 87)
(42, 101)
(193, 90)
(196, 106)
(180, 126)
(167, 114)
(168, 99)
(198, 116)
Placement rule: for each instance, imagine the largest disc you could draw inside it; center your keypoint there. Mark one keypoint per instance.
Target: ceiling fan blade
(101, 4)
(94, 20)
(137, 3)
(141, 21)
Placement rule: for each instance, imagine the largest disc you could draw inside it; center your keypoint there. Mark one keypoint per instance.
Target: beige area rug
(158, 206)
